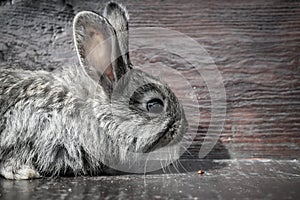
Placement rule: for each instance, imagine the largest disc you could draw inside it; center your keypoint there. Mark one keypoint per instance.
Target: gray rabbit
(77, 121)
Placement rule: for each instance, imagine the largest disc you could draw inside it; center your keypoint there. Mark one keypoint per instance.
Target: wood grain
(255, 46)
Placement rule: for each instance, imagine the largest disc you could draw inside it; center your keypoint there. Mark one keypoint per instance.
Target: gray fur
(60, 123)
(118, 17)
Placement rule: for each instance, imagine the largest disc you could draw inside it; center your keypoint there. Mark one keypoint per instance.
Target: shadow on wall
(194, 164)
(190, 162)
(219, 151)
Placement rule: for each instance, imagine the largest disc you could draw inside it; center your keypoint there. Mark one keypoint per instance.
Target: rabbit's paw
(21, 173)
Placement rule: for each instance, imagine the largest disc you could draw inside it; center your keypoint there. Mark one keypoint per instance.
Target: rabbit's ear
(97, 48)
(118, 17)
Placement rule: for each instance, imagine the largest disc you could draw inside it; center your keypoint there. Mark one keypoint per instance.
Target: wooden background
(256, 46)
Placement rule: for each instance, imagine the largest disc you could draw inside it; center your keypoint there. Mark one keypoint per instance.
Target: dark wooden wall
(255, 44)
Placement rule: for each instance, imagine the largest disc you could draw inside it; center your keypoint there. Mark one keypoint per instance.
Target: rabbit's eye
(155, 106)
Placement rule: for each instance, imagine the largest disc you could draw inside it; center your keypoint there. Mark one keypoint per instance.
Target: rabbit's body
(50, 122)
(85, 118)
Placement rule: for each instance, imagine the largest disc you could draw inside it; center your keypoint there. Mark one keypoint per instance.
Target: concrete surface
(224, 179)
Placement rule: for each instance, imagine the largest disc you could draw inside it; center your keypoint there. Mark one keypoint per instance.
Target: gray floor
(225, 179)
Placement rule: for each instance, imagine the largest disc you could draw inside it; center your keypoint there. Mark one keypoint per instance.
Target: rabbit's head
(144, 113)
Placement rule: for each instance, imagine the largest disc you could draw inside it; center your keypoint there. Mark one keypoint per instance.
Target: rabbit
(76, 121)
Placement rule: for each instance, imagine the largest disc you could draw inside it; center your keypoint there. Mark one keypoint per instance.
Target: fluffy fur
(87, 117)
